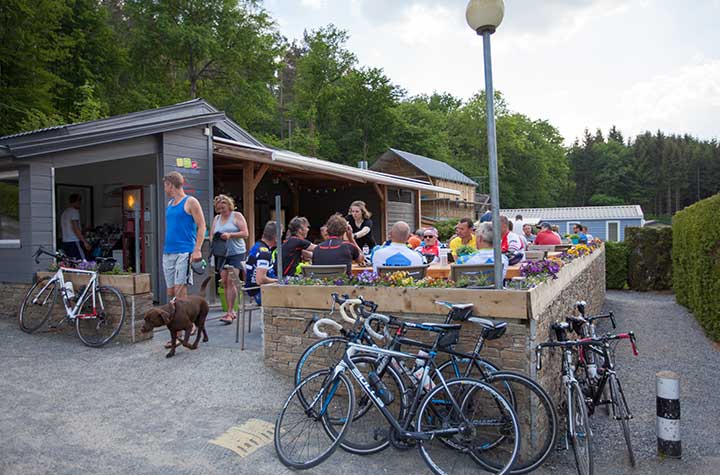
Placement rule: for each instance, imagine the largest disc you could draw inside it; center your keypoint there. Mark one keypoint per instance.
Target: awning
(293, 160)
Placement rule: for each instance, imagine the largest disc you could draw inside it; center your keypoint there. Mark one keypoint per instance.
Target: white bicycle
(98, 312)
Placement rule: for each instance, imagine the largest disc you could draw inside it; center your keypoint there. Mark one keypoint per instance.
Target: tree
(30, 43)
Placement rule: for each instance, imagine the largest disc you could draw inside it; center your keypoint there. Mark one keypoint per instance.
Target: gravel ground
(68, 409)
(669, 338)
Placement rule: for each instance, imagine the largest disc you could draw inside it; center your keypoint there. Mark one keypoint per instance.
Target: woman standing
(361, 224)
(229, 230)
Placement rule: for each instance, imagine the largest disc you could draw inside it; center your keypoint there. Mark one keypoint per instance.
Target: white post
(668, 414)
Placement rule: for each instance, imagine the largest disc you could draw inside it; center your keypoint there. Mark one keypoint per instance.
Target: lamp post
(484, 16)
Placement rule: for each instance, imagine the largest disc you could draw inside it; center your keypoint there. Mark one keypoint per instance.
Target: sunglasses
(428, 237)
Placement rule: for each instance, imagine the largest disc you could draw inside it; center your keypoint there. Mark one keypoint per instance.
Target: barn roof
(431, 167)
(577, 213)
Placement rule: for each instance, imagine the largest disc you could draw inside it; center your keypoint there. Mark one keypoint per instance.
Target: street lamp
(484, 16)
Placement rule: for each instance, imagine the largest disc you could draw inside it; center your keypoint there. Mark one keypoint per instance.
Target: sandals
(228, 318)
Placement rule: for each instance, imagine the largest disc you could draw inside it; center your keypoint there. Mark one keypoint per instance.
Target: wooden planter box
(130, 284)
(488, 303)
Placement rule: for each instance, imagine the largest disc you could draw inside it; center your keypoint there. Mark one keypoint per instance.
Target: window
(569, 227)
(9, 209)
(612, 230)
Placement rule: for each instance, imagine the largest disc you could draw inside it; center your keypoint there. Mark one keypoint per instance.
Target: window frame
(12, 243)
(607, 230)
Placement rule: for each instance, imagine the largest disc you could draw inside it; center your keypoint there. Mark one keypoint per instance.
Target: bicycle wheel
(322, 354)
(37, 305)
(579, 429)
(537, 418)
(621, 413)
(480, 415)
(97, 326)
(370, 430)
(301, 437)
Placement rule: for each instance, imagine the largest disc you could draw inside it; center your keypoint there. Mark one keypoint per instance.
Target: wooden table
(438, 271)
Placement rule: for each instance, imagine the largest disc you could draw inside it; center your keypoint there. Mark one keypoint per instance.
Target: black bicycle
(461, 416)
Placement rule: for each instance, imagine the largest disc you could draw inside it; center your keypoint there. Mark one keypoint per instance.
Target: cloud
(687, 99)
(314, 4)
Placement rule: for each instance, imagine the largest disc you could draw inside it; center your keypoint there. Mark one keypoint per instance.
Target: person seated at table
(589, 236)
(511, 242)
(546, 236)
(397, 253)
(582, 237)
(324, 234)
(430, 248)
(465, 236)
(485, 253)
(260, 261)
(340, 247)
(416, 239)
(296, 248)
(527, 233)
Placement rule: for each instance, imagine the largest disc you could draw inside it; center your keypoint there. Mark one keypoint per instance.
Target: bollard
(668, 414)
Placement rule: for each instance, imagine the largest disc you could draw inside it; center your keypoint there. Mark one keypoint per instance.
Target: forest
(66, 61)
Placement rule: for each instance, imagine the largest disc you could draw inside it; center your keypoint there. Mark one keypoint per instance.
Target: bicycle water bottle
(69, 292)
(380, 389)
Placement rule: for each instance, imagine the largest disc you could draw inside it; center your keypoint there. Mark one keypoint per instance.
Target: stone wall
(12, 295)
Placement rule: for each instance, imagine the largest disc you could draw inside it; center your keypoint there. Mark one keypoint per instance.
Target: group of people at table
(348, 240)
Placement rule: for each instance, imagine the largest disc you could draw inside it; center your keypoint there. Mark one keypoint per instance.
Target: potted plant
(574, 238)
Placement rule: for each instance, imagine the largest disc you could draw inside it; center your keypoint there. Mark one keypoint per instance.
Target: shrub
(616, 265)
(650, 259)
(446, 228)
(696, 262)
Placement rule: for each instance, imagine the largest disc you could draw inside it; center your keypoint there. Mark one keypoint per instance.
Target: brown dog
(180, 315)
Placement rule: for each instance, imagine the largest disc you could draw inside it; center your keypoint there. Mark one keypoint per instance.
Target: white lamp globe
(484, 14)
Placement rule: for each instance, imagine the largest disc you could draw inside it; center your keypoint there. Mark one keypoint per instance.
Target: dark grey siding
(190, 143)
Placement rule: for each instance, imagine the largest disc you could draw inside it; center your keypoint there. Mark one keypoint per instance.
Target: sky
(636, 64)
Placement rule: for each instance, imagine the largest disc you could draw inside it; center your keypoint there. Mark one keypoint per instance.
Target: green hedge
(696, 262)
(650, 258)
(616, 265)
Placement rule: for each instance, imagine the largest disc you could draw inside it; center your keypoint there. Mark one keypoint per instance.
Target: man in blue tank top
(184, 235)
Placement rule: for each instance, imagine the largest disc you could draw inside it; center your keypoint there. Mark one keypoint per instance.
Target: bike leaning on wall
(97, 311)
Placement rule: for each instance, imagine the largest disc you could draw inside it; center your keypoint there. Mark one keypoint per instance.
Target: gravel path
(68, 409)
(669, 338)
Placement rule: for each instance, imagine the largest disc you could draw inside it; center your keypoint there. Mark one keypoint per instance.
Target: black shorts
(235, 261)
(74, 249)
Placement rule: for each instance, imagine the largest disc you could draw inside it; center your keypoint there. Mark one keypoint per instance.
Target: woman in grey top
(231, 227)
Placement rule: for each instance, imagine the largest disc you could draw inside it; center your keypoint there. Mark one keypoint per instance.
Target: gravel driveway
(68, 409)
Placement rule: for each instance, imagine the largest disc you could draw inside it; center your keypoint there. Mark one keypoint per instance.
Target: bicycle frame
(347, 365)
(73, 312)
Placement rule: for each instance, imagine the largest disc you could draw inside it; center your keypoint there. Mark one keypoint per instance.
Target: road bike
(452, 424)
(578, 428)
(97, 311)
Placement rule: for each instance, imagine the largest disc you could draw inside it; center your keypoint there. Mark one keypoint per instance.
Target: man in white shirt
(71, 231)
(397, 253)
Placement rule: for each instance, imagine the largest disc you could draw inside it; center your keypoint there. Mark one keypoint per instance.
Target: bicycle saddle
(491, 329)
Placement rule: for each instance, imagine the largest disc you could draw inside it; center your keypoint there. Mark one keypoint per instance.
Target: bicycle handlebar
(603, 340)
(325, 321)
(376, 316)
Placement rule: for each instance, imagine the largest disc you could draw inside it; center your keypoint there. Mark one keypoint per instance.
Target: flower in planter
(367, 277)
(544, 268)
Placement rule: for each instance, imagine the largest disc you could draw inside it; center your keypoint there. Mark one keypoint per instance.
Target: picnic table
(438, 271)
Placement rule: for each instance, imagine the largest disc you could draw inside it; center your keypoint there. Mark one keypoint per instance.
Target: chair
(324, 272)
(416, 272)
(470, 271)
(535, 255)
(541, 247)
(247, 305)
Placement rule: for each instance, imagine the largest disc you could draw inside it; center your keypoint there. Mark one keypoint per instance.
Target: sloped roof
(64, 137)
(296, 161)
(433, 168)
(577, 213)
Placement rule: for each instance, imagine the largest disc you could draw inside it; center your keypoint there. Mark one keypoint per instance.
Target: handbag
(218, 246)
